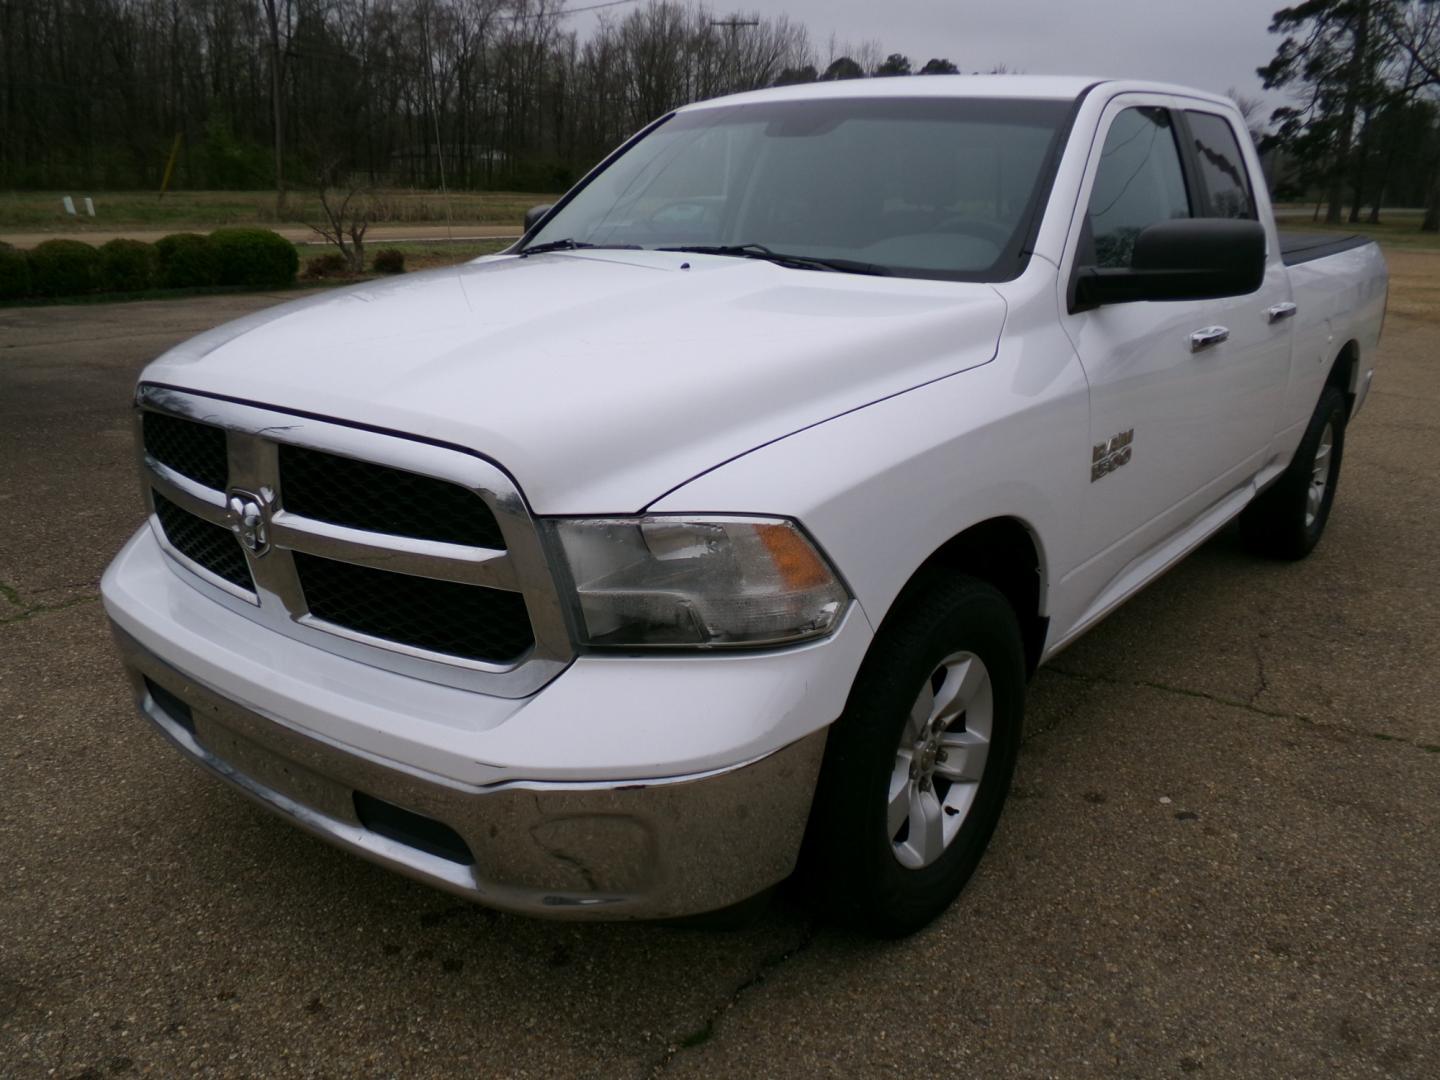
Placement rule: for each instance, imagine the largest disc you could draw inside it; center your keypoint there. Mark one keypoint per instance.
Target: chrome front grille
(446, 617)
(402, 554)
(377, 498)
(191, 449)
(212, 546)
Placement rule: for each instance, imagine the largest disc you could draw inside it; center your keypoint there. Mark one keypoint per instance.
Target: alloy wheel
(1319, 475)
(940, 760)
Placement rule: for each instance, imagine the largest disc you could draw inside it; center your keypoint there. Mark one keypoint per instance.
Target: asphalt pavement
(1222, 856)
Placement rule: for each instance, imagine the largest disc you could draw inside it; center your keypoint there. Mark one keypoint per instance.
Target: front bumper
(635, 849)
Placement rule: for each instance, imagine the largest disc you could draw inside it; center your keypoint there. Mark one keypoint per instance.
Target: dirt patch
(1414, 284)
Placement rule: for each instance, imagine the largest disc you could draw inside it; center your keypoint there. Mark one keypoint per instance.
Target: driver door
(1171, 429)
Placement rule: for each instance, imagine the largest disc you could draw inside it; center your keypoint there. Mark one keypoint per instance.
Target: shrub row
(333, 265)
(254, 258)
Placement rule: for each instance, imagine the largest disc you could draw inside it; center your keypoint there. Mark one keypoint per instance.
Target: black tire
(1280, 524)
(851, 865)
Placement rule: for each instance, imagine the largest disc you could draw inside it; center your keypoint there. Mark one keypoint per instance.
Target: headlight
(698, 582)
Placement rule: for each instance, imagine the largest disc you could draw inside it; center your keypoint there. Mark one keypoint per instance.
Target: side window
(1139, 182)
(1222, 166)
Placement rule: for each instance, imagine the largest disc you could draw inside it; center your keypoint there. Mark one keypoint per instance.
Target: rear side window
(1139, 183)
(1222, 166)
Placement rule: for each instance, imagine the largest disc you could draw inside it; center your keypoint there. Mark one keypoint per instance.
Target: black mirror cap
(1232, 246)
(535, 213)
(1184, 259)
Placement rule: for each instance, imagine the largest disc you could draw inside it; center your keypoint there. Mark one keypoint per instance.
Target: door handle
(1210, 335)
(1283, 310)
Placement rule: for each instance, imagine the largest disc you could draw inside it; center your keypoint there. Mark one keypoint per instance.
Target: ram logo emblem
(248, 517)
(1109, 455)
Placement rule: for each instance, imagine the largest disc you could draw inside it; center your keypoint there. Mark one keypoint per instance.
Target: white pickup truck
(716, 526)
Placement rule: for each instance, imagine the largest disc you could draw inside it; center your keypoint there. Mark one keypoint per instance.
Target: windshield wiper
(568, 244)
(802, 262)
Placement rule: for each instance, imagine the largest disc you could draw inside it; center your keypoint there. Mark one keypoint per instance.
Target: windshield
(919, 187)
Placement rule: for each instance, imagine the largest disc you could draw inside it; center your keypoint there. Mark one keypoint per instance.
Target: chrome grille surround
(253, 437)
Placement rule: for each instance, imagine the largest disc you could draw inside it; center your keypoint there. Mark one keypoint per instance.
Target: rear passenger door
(1259, 324)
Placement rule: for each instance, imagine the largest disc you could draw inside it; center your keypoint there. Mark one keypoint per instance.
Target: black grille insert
(468, 621)
(171, 705)
(212, 546)
(426, 834)
(363, 495)
(191, 449)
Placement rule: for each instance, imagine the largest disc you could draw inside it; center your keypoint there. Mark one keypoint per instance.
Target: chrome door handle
(1210, 335)
(1276, 312)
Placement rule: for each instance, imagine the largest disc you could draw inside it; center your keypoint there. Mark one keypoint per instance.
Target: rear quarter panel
(1338, 299)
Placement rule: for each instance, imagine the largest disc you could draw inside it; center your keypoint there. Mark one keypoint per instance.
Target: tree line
(96, 94)
(1364, 128)
(243, 94)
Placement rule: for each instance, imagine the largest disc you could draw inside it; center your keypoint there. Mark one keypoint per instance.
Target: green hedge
(324, 266)
(187, 261)
(389, 261)
(251, 258)
(257, 258)
(127, 266)
(64, 268)
(14, 273)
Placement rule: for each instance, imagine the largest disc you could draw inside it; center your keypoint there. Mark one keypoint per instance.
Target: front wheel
(917, 768)
(1287, 520)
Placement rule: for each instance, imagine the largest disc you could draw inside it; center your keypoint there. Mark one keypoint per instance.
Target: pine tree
(1336, 50)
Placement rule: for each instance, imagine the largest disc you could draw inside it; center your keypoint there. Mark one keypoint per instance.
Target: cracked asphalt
(1222, 855)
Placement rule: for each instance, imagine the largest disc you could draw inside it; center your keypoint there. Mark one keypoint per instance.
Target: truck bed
(1298, 246)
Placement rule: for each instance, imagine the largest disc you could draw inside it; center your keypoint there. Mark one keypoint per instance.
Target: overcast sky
(1210, 44)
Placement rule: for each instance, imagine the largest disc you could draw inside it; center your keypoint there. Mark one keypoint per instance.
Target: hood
(598, 380)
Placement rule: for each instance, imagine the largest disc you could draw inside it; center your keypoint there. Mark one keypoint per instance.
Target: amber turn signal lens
(795, 559)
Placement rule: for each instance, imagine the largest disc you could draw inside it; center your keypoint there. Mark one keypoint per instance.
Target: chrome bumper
(638, 849)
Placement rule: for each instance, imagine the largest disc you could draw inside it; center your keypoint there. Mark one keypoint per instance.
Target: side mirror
(535, 213)
(1184, 259)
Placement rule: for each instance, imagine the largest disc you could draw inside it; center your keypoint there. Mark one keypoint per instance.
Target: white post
(89, 206)
(69, 205)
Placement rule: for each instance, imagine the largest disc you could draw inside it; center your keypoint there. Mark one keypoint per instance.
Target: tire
(949, 639)
(1287, 520)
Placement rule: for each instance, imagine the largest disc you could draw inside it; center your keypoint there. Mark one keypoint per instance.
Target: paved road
(300, 234)
(1223, 855)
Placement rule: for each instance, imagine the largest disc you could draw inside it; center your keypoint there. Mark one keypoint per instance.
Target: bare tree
(279, 19)
(867, 54)
(1416, 27)
(515, 94)
(348, 207)
(1251, 111)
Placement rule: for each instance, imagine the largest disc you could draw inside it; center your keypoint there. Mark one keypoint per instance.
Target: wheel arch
(1345, 373)
(1007, 553)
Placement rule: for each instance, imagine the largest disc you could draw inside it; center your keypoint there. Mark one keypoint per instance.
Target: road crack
(1262, 680)
(15, 608)
(1237, 703)
(706, 1031)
